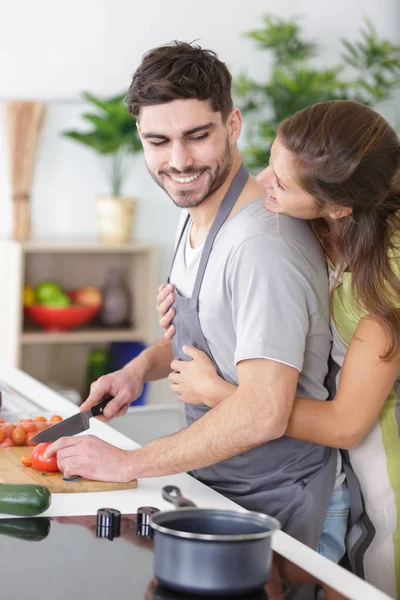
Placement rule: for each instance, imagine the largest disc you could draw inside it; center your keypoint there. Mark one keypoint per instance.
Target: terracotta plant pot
(115, 219)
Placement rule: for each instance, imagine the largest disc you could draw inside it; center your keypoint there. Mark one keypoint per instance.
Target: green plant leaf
(113, 132)
(293, 83)
(283, 38)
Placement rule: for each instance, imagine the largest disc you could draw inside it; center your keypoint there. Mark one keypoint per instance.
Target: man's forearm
(239, 423)
(154, 362)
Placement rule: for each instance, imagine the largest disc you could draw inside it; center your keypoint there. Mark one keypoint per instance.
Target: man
(251, 290)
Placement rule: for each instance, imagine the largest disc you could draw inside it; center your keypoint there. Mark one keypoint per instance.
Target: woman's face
(282, 192)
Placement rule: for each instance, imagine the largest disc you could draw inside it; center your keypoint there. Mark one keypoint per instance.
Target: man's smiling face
(187, 149)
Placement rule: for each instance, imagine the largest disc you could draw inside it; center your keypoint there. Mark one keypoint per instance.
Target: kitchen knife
(72, 425)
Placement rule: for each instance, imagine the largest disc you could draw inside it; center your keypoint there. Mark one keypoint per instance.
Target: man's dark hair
(180, 71)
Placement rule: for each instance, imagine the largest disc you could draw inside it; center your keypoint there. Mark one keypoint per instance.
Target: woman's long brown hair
(347, 155)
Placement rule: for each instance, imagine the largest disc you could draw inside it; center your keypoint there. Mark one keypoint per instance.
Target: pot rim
(215, 537)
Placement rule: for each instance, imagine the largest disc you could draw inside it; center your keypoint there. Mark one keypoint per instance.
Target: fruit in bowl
(56, 309)
(29, 295)
(50, 293)
(88, 296)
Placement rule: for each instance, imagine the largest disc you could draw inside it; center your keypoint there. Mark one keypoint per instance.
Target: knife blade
(72, 425)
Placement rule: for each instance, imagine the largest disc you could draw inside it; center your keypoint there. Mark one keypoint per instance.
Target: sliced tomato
(44, 464)
(26, 461)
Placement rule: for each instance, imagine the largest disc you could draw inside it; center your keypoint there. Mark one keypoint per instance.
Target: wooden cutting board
(13, 471)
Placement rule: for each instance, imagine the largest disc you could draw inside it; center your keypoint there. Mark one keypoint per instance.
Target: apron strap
(177, 245)
(233, 193)
(353, 486)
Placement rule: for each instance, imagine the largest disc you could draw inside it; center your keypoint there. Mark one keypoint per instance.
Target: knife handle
(98, 408)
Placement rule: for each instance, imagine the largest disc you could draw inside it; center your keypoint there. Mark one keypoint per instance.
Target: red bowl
(61, 319)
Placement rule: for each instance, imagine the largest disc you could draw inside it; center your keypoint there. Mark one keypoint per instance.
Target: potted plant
(369, 71)
(114, 137)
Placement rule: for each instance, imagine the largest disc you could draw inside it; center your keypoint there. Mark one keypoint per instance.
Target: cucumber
(32, 529)
(24, 500)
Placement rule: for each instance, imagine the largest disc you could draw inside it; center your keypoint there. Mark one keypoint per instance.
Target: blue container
(120, 354)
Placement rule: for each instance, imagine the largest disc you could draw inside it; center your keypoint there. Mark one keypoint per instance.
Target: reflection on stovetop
(163, 593)
(79, 544)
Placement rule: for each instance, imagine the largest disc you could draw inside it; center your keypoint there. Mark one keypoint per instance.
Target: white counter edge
(333, 575)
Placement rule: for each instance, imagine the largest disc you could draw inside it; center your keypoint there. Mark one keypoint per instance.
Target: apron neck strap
(229, 201)
(177, 246)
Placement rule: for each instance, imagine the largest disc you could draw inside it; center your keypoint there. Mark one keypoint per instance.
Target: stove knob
(108, 523)
(143, 528)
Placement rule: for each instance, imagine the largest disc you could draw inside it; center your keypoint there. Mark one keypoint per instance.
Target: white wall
(53, 50)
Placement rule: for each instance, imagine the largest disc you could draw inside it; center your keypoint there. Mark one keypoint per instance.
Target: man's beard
(189, 199)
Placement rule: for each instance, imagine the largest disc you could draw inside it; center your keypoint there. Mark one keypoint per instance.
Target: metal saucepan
(213, 551)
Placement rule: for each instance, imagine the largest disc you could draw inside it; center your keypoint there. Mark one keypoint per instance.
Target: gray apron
(289, 479)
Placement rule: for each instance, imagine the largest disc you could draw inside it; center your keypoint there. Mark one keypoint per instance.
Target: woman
(337, 164)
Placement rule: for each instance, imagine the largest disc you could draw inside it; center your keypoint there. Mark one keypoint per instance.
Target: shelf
(79, 246)
(72, 263)
(84, 336)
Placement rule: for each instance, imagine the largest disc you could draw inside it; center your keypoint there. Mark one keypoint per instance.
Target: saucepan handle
(173, 494)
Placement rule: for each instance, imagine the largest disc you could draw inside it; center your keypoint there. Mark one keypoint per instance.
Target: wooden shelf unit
(84, 336)
(72, 263)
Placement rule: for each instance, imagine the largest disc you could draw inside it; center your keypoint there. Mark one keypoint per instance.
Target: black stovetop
(63, 558)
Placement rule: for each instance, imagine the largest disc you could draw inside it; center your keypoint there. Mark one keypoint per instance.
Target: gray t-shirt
(264, 295)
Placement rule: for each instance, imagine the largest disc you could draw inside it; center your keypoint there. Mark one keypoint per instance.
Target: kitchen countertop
(148, 492)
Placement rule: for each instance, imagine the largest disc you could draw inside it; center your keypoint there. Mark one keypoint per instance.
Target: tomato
(41, 426)
(18, 436)
(28, 438)
(8, 428)
(41, 463)
(40, 419)
(2, 436)
(26, 461)
(1, 420)
(7, 443)
(27, 425)
(56, 419)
